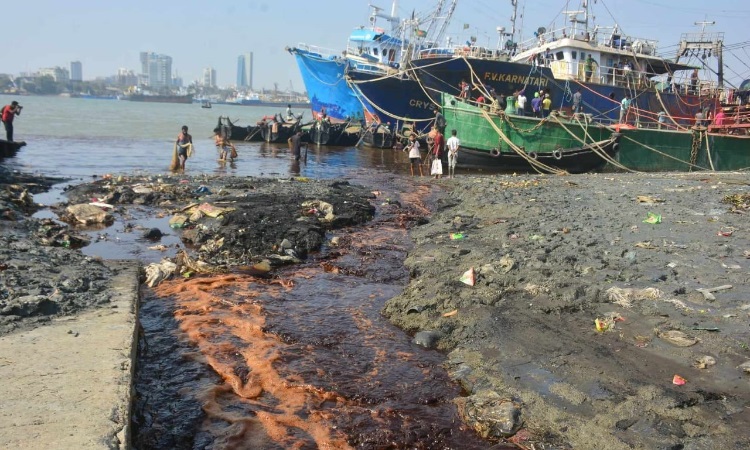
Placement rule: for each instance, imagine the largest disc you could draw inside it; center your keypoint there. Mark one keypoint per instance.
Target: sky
(106, 35)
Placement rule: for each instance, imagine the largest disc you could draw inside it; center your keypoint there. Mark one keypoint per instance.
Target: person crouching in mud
(225, 146)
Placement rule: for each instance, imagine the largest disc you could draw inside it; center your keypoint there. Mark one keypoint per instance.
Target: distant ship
(159, 98)
(253, 99)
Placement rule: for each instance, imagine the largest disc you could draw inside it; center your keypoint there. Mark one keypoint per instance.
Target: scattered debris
(625, 296)
(708, 292)
(704, 362)
(678, 380)
(158, 272)
(652, 218)
(469, 277)
(678, 338)
(648, 200)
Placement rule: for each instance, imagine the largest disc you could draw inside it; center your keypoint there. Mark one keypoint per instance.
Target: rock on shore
(551, 255)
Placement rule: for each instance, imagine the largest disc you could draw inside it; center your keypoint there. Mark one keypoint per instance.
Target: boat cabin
(374, 50)
(608, 58)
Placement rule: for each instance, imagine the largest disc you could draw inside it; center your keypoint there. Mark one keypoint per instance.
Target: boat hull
(395, 97)
(651, 150)
(518, 143)
(325, 133)
(326, 86)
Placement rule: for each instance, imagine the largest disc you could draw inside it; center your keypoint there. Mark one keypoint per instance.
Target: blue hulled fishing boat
(372, 50)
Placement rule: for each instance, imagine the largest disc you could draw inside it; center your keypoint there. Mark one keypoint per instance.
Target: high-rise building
(126, 77)
(76, 71)
(156, 69)
(59, 74)
(209, 77)
(245, 71)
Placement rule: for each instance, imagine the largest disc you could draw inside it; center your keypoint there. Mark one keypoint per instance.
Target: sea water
(84, 138)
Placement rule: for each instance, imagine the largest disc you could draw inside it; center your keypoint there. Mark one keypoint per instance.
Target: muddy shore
(548, 256)
(553, 254)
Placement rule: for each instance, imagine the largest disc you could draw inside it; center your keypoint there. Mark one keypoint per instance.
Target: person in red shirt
(437, 151)
(9, 112)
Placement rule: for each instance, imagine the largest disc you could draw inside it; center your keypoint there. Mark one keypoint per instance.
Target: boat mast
(711, 43)
(575, 21)
(392, 18)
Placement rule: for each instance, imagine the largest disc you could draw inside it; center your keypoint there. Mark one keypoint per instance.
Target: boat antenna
(446, 20)
(392, 18)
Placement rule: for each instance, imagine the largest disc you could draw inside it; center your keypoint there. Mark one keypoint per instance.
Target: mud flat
(663, 368)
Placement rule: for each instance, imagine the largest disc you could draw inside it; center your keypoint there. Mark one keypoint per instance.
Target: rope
(536, 165)
(708, 153)
(598, 150)
(387, 113)
(663, 154)
(595, 146)
(664, 108)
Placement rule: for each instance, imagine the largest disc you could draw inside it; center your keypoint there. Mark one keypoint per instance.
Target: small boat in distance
(206, 104)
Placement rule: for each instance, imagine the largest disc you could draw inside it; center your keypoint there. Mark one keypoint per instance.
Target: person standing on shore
(453, 145)
(8, 114)
(295, 145)
(440, 122)
(437, 151)
(415, 159)
(184, 145)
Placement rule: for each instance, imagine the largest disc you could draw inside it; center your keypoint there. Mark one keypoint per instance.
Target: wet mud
(562, 312)
(550, 257)
(42, 275)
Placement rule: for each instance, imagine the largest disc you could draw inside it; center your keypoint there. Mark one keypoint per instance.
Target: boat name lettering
(419, 104)
(518, 79)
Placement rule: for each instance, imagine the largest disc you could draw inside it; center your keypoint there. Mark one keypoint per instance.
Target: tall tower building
(76, 71)
(156, 69)
(245, 71)
(209, 77)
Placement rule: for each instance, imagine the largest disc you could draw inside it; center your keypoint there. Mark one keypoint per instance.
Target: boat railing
(600, 37)
(321, 51)
(472, 51)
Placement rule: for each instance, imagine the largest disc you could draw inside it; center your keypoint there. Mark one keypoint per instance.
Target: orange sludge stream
(300, 361)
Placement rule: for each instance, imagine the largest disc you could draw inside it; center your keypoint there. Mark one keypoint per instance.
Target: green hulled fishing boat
(698, 148)
(493, 139)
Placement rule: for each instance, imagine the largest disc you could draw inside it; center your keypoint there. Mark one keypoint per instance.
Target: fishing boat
(490, 138)
(324, 132)
(8, 149)
(237, 133)
(371, 49)
(277, 130)
(603, 63)
(206, 105)
(723, 145)
(379, 135)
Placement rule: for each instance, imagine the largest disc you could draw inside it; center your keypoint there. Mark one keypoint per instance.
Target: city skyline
(106, 37)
